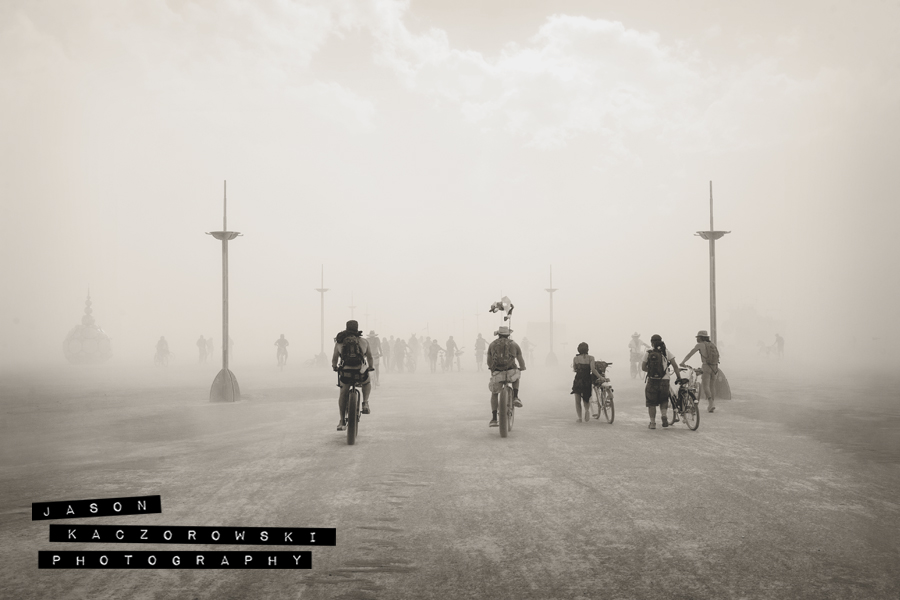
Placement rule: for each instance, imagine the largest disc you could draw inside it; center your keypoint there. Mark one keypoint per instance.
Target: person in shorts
(656, 392)
(502, 356)
(350, 375)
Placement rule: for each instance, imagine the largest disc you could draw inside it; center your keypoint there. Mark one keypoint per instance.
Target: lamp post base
(723, 388)
(225, 388)
(551, 360)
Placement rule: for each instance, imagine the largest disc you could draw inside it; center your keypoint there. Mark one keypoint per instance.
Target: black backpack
(656, 364)
(351, 352)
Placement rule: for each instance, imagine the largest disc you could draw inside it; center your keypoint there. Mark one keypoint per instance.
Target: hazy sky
(433, 154)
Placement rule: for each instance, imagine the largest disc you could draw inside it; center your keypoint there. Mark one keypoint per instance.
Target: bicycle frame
(352, 411)
(506, 408)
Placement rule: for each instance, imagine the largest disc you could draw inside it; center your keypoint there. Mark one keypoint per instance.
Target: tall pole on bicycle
(551, 357)
(712, 235)
(225, 386)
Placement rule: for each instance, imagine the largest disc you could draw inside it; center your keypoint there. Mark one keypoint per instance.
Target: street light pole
(712, 235)
(225, 386)
(551, 357)
(322, 290)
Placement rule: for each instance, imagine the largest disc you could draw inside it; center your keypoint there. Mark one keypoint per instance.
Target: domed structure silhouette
(87, 343)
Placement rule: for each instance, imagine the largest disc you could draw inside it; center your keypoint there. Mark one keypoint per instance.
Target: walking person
(585, 370)
(375, 348)
(656, 363)
(201, 346)
(480, 347)
(386, 352)
(709, 356)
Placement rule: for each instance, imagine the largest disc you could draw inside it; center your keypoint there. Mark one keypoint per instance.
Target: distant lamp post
(225, 386)
(320, 358)
(551, 357)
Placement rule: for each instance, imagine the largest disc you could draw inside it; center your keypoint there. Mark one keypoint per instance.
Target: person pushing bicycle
(352, 359)
(656, 363)
(502, 356)
(709, 356)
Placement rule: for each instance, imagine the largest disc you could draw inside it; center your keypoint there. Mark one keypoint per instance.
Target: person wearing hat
(345, 342)
(709, 356)
(502, 356)
(634, 348)
(375, 347)
(656, 363)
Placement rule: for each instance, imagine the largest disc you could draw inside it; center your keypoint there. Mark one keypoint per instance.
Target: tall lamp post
(551, 357)
(712, 235)
(225, 386)
(722, 387)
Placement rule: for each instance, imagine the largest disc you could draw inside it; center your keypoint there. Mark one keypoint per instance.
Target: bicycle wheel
(512, 415)
(609, 408)
(503, 411)
(691, 414)
(352, 416)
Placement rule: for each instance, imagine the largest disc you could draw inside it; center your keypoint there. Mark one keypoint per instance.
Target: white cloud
(579, 76)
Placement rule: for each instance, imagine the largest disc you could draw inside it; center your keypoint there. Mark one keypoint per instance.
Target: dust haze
(431, 157)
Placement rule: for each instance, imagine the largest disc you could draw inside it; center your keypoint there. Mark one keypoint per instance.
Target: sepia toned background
(433, 155)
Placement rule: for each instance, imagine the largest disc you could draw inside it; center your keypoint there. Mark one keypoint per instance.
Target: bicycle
(602, 400)
(352, 410)
(281, 356)
(635, 358)
(685, 402)
(161, 359)
(506, 409)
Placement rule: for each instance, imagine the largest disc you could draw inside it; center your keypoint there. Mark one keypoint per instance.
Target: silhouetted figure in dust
(201, 346)
(281, 353)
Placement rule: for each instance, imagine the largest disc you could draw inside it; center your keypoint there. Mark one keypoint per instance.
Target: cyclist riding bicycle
(355, 356)
(450, 355)
(502, 356)
(162, 348)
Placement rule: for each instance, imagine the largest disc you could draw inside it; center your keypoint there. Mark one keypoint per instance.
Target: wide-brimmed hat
(702, 333)
(504, 330)
(635, 334)
(372, 333)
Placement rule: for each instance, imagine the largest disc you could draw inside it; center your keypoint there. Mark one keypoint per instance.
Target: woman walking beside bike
(585, 370)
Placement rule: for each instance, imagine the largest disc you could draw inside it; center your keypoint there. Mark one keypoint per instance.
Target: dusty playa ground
(788, 491)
